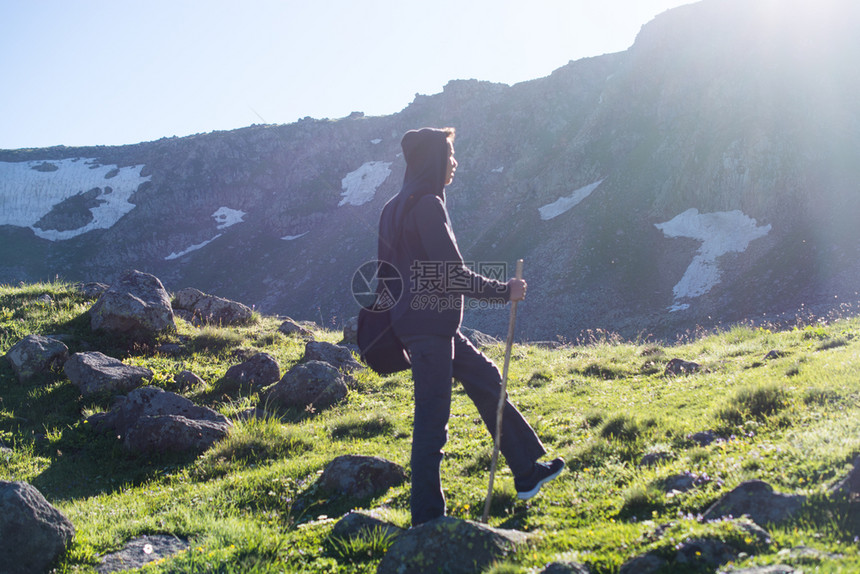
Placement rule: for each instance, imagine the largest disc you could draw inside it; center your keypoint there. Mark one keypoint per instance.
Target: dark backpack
(380, 348)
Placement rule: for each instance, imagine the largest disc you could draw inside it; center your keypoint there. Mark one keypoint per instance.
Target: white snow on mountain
(225, 217)
(201, 245)
(29, 190)
(720, 233)
(293, 237)
(568, 202)
(359, 186)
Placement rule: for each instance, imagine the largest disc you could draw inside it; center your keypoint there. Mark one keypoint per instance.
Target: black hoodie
(415, 236)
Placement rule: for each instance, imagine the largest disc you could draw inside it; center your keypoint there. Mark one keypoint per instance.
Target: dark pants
(435, 361)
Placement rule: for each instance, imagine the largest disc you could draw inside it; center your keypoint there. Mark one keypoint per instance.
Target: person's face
(451, 166)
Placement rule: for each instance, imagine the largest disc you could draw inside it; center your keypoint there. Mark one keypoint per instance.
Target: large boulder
(94, 373)
(211, 310)
(290, 327)
(261, 370)
(756, 499)
(151, 419)
(36, 354)
(33, 534)
(338, 356)
(311, 385)
(358, 476)
(449, 545)
(173, 433)
(136, 305)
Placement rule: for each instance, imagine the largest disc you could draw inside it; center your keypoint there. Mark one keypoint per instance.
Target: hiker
(415, 236)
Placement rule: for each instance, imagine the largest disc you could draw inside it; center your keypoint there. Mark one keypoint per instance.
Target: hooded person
(417, 239)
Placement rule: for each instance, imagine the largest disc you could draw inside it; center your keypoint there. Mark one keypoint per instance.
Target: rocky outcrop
(211, 310)
(33, 533)
(36, 354)
(95, 373)
(335, 355)
(150, 419)
(261, 370)
(756, 499)
(681, 367)
(290, 327)
(136, 305)
(557, 171)
(449, 545)
(312, 385)
(357, 476)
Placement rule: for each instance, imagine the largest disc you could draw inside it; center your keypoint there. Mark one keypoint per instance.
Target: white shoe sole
(530, 493)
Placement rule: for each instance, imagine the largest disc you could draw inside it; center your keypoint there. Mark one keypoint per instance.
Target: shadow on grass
(85, 464)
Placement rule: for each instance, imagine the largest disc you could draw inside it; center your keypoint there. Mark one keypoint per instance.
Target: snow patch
(225, 217)
(359, 186)
(29, 190)
(192, 248)
(720, 233)
(498, 169)
(376, 141)
(293, 237)
(567, 203)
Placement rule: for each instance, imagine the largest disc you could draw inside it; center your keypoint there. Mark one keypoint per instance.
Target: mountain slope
(705, 175)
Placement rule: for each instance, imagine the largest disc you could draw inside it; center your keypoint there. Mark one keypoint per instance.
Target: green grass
(250, 503)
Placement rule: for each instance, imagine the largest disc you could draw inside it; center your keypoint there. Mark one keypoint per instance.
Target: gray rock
(643, 564)
(679, 482)
(261, 370)
(756, 499)
(478, 338)
(92, 290)
(335, 355)
(36, 354)
(358, 476)
(141, 551)
(33, 534)
(136, 305)
(94, 373)
(314, 384)
(350, 332)
(449, 545)
(703, 438)
(211, 310)
(681, 367)
(173, 433)
(150, 419)
(290, 327)
(357, 523)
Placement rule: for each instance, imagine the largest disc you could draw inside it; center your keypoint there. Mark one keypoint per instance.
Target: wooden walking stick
(502, 399)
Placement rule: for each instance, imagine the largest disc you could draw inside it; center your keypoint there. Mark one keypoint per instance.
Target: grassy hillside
(250, 503)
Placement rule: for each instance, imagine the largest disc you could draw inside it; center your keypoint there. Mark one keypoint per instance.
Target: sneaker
(542, 473)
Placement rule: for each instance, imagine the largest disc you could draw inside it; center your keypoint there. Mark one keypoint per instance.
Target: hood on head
(426, 154)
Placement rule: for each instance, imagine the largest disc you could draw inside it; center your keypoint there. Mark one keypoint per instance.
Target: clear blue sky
(108, 72)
